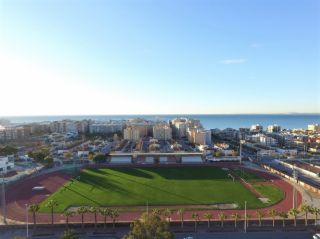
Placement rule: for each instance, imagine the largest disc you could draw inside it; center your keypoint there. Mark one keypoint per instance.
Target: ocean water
(288, 121)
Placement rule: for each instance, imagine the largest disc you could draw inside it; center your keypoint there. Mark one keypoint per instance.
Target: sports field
(158, 186)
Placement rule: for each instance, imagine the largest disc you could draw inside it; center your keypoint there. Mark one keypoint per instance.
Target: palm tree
(104, 212)
(222, 217)
(52, 204)
(273, 213)
(315, 211)
(208, 216)
(82, 210)
(167, 213)
(114, 214)
(156, 211)
(284, 216)
(195, 217)
(260, 215)
(34, 208)
(94, 210)
(180, 212)
(67, 215)
(235, 217)
(306, 209)
(294, 212)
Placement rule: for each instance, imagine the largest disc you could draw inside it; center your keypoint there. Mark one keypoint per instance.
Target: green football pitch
(157, 186)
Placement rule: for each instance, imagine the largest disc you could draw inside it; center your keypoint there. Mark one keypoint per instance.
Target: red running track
(21, 193)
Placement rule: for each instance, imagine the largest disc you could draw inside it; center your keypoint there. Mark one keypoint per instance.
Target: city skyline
(140, 57)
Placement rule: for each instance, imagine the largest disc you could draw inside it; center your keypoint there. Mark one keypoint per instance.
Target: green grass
(248, 176)
(270, 191)
(157, 186)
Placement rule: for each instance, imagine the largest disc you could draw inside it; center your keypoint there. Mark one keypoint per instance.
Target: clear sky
(159, 57)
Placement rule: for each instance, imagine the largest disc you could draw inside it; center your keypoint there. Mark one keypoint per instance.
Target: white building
(314, 128)
(283, 151)
(256, 128)
(273, 128)
(6, 164)
(105, 128)
(268, 141)
(162, 132)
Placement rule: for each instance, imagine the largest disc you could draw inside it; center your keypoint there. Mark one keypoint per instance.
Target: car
(316, 236)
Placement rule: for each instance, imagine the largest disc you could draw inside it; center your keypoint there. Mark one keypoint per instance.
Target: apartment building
(131, 133)
(162, 131)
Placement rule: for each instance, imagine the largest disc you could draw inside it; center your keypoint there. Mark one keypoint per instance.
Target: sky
(159, 57)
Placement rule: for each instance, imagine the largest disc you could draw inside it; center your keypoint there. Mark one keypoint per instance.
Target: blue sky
(153, 57)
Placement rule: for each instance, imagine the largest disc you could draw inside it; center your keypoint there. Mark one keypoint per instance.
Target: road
(9, 234)
(249, 235)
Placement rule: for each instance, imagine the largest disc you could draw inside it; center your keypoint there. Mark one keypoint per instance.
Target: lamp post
(294, 194)
(245, 216)
(27, 220)
(241, 142)
(3, 198)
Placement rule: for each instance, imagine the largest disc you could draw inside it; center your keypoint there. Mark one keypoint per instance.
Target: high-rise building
(131, 133)
(199, 136)
(162, 131)
(273, 128)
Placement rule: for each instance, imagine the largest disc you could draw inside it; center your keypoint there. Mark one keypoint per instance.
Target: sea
(221, 121)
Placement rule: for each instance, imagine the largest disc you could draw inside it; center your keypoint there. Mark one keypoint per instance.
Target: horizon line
(72, 115)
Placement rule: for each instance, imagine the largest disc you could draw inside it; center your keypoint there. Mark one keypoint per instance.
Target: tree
(99, 158)
(67, 155)
(208, 216)
(156, 211)
(284, 216)
(34, 208)
(81, 211)
(260, 215)
(149, 226)
(167, 213)
(114, 214)
(222, 217)
(306, 209)
(39, 154)
(94, 210)
(195, 217)
(315, 211)
(294, 212)
(52, 204)
(69, 234)
(235, 217)
(8, 150)
(104, 212)
(218, 154)
(67, 215)
(48, 160)
(180, 212)
(91, 155)
(273, 213)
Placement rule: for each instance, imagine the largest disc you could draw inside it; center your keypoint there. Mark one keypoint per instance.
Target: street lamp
(27, 220)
